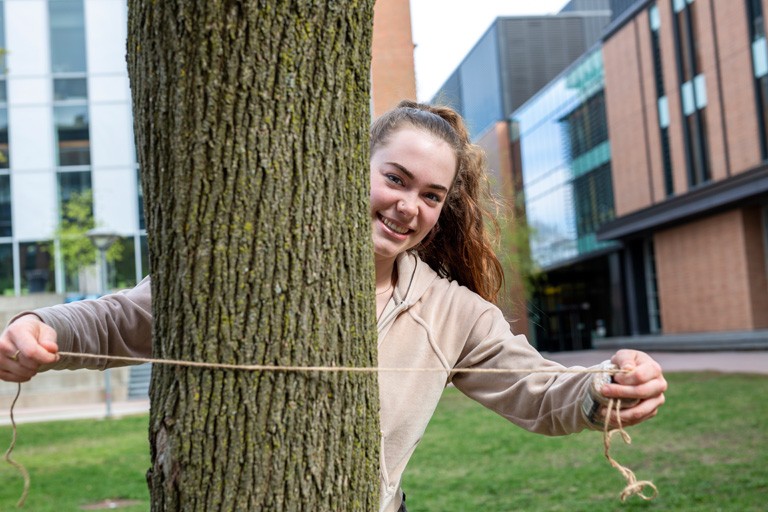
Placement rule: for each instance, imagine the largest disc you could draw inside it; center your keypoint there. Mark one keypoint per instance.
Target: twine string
(634, 487)
(335, 369)
(19, 467)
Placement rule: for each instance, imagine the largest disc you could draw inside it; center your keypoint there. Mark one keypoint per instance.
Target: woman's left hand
(643, 383)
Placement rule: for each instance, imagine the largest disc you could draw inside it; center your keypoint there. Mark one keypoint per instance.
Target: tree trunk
(252, 121)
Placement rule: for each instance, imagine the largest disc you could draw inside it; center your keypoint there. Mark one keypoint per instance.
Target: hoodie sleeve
(119, 324)
(546, 403)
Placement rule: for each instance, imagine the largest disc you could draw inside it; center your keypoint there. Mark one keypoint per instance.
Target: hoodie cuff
(593, 398)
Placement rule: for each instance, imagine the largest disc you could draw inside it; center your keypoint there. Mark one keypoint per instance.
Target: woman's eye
(394, 179)
(433, 197)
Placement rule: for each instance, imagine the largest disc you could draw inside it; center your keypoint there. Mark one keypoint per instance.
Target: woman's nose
(407, 207)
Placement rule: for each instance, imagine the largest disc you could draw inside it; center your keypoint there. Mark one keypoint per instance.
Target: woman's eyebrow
(410, 176)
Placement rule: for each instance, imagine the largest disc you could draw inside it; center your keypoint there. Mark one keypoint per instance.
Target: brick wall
(392, 68)
(737, 85)
(624, 94)
(704, 281)
(757, 264)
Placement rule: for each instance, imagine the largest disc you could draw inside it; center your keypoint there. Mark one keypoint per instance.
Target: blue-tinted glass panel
(565, 156)
(73, 135)
(67, 36)
(700, 91)
(36, 264)
(6, 269)
(5, 205)
(653, 18)
(552, 221)
(663, 106)
(70, 89)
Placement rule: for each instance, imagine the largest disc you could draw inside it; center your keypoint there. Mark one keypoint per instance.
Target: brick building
(686, 84)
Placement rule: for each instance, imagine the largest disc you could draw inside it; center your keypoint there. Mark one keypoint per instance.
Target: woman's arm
(551, 403)
(119, 324)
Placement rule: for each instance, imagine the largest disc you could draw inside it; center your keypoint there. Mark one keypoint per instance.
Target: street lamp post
(102, 239)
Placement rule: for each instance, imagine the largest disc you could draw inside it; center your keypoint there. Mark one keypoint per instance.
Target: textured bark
(252, 130)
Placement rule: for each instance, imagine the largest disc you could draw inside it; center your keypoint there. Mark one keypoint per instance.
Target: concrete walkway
(74, 412)
(725, 362)
(746, 361)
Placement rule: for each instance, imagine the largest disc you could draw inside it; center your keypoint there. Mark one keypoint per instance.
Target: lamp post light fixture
(102, 239)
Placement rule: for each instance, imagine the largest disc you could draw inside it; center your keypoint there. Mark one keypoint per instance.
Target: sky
(444, 31)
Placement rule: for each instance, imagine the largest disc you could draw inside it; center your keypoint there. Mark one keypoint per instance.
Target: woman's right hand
(25, 345)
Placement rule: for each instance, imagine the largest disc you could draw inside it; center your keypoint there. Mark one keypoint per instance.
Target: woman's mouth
(397, 228)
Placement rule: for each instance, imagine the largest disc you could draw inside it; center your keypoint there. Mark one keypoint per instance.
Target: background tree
(76, 249)
(251, 120)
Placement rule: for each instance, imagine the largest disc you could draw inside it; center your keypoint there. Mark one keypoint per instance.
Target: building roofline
(596, 46)
(624, 18)
(524, 17)
(742, 189)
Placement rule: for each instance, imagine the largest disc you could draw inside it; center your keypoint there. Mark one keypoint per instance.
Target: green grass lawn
(75, 463)
(706, 451)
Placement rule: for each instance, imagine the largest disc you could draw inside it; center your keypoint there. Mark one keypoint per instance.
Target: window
(5, 206)
(71, 183)
(661, 98)
(67, 36)
(586, 125)
(72, 135)
(6, 269)
(67, 89)
(760, 69)
(70, 95)
(593, 197)
(651, 289)
(692, 92)
(36, 264)
(5, 157)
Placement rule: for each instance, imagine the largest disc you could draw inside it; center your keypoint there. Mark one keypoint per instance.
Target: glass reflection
(72, 134)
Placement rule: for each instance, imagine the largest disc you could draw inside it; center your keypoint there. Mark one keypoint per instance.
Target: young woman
(436, 280)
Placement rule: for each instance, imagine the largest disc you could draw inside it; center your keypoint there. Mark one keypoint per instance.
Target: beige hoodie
(430, 322)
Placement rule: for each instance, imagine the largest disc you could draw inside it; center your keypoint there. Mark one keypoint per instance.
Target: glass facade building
(65, 128)
(517, 56)
(561, 137)
(566, 163)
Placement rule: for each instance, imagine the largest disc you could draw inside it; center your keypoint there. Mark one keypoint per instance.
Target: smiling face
(411, 175)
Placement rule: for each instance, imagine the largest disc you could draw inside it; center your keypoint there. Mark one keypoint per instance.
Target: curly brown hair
(459, 246)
